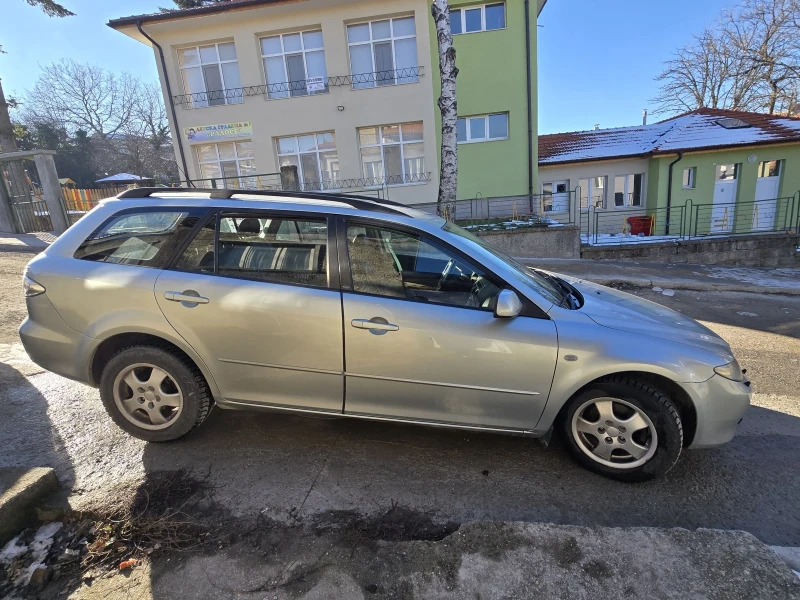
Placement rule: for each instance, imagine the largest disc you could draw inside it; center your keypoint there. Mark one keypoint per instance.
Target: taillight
(31, 287)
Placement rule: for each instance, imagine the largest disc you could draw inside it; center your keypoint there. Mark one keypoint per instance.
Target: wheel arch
(106, 349)
(681, 398)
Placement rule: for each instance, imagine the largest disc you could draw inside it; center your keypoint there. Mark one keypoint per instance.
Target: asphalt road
(287, 467)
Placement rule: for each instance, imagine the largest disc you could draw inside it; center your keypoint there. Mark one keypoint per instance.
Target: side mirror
(508, 305)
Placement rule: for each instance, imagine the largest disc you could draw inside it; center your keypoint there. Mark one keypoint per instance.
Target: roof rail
(356, 201)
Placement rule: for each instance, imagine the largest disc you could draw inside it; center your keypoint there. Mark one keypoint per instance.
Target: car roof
(321, 200)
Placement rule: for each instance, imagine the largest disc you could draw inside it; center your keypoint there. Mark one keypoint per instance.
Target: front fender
(596, 351)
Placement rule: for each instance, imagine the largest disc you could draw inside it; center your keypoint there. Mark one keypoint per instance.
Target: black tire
(197, 401)
(649, 399)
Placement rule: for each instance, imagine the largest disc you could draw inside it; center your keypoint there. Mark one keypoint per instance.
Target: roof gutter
(669, 190)
(530, 103)
(169, 99)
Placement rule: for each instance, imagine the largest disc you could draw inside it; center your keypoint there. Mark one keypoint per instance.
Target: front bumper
(720, 404)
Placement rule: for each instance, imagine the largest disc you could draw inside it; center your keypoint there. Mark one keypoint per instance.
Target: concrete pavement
(716, 278)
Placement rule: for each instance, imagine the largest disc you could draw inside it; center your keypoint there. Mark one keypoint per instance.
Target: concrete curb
(22, 248)
(688, 285)
(20, 491)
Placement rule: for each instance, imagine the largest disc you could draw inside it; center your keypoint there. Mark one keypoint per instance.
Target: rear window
(146, 238)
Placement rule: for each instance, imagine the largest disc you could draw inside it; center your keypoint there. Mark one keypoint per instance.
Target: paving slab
(479, 560)
(21, 490)
(25, 242)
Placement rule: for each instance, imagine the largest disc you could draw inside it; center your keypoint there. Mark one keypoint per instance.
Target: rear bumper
(720, 404)
(51, 343)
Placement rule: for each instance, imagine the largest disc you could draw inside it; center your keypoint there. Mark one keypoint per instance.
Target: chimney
(644, 117)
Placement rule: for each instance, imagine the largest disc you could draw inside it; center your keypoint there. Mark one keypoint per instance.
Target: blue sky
(597, 58)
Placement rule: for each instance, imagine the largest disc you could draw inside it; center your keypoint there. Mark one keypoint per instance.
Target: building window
(483, 128)
(315, 157)
(210, 75)
(392, 154)
(479, 18)
(555, 196)
(593, 192)
(228, 165)
(294, 64)
(688, 178)
(383, 52)
(628, 190)
(727, 172)
(769, 168)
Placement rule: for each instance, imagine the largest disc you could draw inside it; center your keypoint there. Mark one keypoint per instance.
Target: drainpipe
(171, 103)
(669, 190)
(530, 106)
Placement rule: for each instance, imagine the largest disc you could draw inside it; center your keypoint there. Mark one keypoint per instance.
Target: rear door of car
(256, 294)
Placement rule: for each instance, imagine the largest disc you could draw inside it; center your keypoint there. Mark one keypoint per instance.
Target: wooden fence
(84, 200)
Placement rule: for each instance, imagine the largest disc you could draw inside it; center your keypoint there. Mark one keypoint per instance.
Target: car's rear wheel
(153, 393)
(623, 428)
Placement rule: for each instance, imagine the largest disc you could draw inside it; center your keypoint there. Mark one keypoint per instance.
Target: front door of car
(258, 306)
(422, 342)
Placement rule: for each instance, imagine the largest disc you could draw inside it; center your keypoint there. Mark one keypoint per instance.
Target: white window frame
(591, 187)
(207, 103)
(463, 17)
(371, 43)
(762, 169)
(300, 169)
(471, 140)
(627, 195)
(383, 145)
(692, 178)
(284, 54)
(219, 162)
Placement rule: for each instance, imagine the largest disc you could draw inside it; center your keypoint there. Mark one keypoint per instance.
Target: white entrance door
(722, 212)
(767, 188)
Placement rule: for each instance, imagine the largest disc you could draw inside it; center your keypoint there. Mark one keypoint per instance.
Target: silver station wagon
(173, 301)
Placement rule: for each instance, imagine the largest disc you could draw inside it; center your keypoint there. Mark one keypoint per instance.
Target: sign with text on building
(208, 133)
(315, 84)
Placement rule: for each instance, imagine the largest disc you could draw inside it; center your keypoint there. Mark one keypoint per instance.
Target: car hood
(625, 312)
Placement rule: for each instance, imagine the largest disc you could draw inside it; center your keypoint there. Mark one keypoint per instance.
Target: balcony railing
(305, 87)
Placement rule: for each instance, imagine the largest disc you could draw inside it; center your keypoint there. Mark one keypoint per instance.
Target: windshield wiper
(566, 290)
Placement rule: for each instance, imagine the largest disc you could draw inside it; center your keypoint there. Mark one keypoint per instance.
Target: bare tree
(750, 60)
(764, 35)
(448, 179)
(705, 73)
(83, 96)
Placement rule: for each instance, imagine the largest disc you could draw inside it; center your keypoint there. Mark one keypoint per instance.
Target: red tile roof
(694, 130)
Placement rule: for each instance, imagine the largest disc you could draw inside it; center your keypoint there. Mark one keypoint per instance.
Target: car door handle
(184, 297)
(373, 325)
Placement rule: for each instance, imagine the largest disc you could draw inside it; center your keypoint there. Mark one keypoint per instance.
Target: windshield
(545, 286)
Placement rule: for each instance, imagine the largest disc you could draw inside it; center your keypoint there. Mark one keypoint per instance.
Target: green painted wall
(492, 79)
(705, 164)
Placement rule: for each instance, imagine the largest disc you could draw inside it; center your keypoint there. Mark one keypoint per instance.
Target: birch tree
(448, 178)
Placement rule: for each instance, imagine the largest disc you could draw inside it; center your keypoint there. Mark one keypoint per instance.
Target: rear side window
(146, 238)
(262, 247)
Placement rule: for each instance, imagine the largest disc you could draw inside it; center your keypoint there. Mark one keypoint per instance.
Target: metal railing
(738, 218)
(633, 225)
(507, 213)
(304, 87)
(678, 223)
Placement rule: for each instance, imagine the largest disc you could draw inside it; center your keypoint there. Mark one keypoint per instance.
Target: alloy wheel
(614, 433)
(148, 396)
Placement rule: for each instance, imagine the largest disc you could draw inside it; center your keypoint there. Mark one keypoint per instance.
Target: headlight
(730, 371)
(31, 287)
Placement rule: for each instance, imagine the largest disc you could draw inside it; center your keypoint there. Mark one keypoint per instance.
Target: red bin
(643, 225)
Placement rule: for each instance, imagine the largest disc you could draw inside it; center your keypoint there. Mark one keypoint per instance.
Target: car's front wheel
(154, 393)
(624, 428)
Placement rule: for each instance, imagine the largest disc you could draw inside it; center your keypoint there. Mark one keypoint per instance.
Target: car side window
(146, 238)
(401, 265)
(199, 254)
(274, 249)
